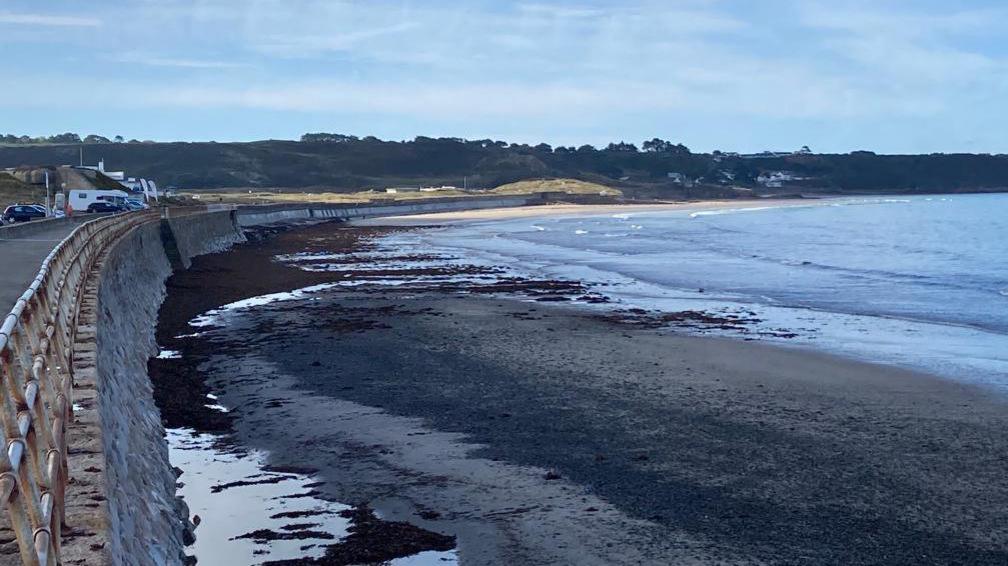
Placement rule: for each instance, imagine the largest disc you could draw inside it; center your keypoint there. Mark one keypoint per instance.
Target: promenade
(22, 255)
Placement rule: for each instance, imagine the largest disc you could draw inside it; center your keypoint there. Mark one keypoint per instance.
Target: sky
(891, 76)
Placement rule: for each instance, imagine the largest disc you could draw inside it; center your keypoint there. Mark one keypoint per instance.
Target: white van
(80, 199)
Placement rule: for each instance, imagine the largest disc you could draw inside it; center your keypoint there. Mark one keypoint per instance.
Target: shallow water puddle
(251, 514)
(242, 507)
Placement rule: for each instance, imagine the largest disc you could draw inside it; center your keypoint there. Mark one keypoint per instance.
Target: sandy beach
(537, 432)
(571, 209)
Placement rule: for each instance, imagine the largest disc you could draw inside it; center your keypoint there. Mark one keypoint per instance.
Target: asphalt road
(20, 259)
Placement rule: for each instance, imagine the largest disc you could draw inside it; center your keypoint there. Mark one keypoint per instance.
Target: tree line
(655, 145)
(64, 139)
(655, 167)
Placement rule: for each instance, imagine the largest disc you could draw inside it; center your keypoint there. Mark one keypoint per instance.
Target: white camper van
(80, 199)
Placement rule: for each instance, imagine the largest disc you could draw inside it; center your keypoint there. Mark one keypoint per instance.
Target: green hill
(346, 164)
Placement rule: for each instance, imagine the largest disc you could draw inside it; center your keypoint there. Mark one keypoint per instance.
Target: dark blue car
(22, 213)
(104, 207)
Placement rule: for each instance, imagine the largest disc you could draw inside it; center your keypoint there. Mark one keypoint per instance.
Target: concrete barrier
(24, 229)
(252, 215)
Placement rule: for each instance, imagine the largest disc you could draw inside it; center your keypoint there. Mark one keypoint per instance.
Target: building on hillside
(777, 179)
(132, 184)
(114, 175)
(803, 150)
(679, 179)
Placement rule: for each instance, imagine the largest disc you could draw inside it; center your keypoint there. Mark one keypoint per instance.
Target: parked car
(22, 213)
(104, 207)
(135, 204)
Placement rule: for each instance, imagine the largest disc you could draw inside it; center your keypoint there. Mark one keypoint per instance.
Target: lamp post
(48, 207)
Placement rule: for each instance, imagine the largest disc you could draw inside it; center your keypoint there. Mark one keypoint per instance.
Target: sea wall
(255, 215)
(146, 521)
(140, 484)
(198, 234)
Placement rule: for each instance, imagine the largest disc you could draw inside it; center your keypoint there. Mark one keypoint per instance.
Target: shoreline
(828, 330)
(453, 412)
(577, 209)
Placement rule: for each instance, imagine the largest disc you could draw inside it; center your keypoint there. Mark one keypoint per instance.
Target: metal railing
(36, 397)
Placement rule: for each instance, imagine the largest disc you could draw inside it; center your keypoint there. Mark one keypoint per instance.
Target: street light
(48, 207)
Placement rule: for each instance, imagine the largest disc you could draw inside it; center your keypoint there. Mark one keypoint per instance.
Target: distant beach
(568, 209)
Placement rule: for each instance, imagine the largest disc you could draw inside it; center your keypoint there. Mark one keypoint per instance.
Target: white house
(776, 179)
(679, 179)
(114, 175)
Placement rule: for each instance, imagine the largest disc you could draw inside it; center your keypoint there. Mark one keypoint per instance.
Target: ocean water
(918, 281)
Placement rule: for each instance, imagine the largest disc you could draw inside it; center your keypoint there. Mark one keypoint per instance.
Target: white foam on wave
(721, 211)
(210, 317)
(580, 232)
(539, 228)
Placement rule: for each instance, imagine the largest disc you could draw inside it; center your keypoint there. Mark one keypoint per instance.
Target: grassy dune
(14, 191)
(570, 186)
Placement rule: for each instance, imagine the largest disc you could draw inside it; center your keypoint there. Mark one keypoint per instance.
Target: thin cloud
(335, 42)
(560, 11)
(786, 97)
(49, 20)
(154, 61)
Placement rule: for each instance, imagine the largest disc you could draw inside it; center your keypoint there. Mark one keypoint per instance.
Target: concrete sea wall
(146, 522)
(140, 484)
(199, 234)
(255, 215)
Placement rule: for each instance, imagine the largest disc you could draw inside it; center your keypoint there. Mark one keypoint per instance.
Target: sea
(915, 281)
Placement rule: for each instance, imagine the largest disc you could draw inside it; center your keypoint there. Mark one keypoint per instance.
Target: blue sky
(889, 76)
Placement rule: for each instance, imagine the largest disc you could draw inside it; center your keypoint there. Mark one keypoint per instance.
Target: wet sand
(538, 433)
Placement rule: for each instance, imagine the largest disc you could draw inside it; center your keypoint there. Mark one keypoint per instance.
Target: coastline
(961, 350)
(576, 209)
(453, 412)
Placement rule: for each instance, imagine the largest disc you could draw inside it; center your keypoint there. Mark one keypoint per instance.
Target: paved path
(20, 259)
